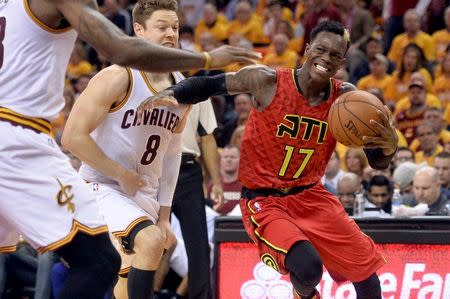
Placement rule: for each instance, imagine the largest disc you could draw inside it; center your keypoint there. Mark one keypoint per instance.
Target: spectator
(192, 11)
(229, 164)
(403, 177)
(441, 37)
(187, 39)
(361, 25)
(379, 196)
(333, 172)
(295, 43)
(428, 136)
(322, 10)
(238, 116)
(119, 16)
(274, 14)
(373, 46)
(282, 57)
(430, 99)
(412, 61)
(236, 137)
(403, 154)
(348, 185)
(378, 77)
(213, 22)
(408, 120)
(442, 165)
(355, 161)
(412, 34)
(393, 11)
(442, 80)
(436, 118)
(447, 147)
(78, 65)
(427, 190)
(247, 24)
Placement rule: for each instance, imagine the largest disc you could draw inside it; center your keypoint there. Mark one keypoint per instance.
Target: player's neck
(313, 91)
(229, 178)
(160, 81)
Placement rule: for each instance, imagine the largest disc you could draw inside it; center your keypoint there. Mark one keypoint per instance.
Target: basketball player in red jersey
(296, 223)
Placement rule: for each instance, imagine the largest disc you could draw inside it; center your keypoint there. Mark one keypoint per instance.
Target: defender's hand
(226, 55)
(164, 98)
(387, 138)
(130, 181)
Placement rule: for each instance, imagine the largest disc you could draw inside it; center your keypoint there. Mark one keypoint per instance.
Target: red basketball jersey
(288, 143)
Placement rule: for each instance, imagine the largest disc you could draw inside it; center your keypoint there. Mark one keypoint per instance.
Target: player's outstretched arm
(91, 108)
(121, 49)
(258, 80)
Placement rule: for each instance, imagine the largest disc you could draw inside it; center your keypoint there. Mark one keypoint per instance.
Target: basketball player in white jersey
(41, 195)
(132, 166)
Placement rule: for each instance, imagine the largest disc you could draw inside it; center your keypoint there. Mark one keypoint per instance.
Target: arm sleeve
(171, 168)
(198, 89)
(377, 160)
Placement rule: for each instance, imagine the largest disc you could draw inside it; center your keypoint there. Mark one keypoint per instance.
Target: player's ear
(307, 48)
(138, 29)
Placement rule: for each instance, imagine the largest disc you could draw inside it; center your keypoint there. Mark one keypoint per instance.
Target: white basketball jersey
(33, 61)
(138, 146)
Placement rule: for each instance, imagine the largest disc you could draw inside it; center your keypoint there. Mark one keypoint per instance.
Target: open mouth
(321, 68)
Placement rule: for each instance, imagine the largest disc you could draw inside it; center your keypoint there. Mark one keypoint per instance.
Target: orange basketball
(349, 117)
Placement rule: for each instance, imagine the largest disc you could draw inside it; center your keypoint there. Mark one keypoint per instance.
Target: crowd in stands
(400, 52)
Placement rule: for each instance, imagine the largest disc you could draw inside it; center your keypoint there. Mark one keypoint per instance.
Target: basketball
(349, 117)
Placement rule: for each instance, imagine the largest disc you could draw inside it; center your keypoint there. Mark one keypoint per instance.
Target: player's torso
(139, 146)
(288, 143)
(33, 59)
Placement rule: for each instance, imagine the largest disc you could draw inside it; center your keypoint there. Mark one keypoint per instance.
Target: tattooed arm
(258, 80)
(121, 49)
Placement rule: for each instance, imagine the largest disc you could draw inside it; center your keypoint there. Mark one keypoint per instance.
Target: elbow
(66, 141)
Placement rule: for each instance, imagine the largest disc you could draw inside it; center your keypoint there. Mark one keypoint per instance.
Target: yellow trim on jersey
(40, 23)
(265, 240)
(130, 227)
(36, 124)
(125, 270)
(116, 106)
(149, 85)
(8, 249)
(76, 227)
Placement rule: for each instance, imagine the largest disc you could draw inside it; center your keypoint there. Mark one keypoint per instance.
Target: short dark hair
(333, 27)
(443, 155)
(380, 180)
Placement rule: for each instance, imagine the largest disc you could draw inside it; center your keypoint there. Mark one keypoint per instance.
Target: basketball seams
(341, 123)
(355, 116)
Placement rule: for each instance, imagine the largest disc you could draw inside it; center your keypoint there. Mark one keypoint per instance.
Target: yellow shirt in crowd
(420, 156)
(286, 60)
(82, 68)
(369, 81)
(422, 39)
(252, 30)
(442, 89)
(431, 101)
(219, 30)
(441, 40)
(397, 88)
(444, 137)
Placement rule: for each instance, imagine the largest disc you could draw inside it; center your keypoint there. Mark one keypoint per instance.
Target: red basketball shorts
(317, 216)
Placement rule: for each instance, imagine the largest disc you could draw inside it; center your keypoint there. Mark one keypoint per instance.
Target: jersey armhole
(119, 104)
